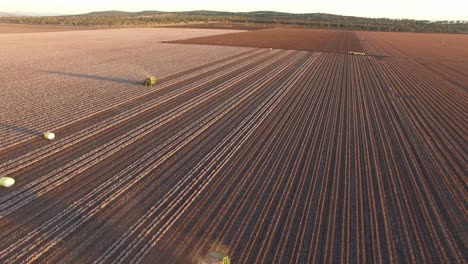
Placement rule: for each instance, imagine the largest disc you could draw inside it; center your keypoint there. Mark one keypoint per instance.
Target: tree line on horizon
(316, 20)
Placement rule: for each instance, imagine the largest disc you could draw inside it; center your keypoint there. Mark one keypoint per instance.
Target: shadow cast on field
(94, 77)
(22, 130)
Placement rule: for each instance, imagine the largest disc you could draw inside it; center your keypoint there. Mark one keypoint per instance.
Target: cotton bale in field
(6, 181)
(49, 135)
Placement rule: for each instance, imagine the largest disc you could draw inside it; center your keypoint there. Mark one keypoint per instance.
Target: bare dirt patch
(233, 26)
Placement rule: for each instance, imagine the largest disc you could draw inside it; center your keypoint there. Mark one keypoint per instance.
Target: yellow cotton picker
(150, 81)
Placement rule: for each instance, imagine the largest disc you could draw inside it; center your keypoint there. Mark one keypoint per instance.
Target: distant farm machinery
(357, 53)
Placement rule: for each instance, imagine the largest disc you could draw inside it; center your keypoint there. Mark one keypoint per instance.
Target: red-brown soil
(416, 45)
(272, 156)
(286, 38)
(233, 26)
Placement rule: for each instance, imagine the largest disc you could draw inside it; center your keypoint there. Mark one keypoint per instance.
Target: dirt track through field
(271, 156)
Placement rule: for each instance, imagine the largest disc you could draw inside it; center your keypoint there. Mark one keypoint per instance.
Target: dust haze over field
(341, 146)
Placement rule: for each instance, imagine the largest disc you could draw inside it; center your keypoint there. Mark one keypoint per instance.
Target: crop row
(274, 156)
(60, 84)
(61, 175)
(102, 124)
(346, 169)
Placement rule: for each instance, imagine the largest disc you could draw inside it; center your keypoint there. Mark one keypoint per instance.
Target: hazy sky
(416, 9)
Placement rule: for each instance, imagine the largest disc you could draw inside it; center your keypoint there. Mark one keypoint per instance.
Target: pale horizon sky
(399, 9)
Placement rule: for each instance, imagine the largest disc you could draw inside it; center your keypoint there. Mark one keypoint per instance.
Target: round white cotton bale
(49, 135)
(6, 181)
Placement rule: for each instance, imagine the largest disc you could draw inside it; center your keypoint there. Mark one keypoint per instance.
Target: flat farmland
(231, 26)
(285, 38)
(6, 28)
(43, 74)
(452, 47)
(283, 155)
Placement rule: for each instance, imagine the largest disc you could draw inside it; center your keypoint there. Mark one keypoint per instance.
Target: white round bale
(49, 135)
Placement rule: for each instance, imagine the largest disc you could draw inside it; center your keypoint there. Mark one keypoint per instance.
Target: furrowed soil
(50, 79)
(266, 155)
(232, 26)
(286, 38)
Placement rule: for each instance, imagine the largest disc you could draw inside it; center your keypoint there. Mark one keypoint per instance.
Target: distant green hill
(122, 13)
(262, 14)
(151, 18)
